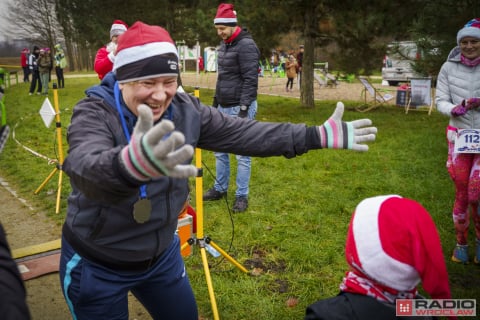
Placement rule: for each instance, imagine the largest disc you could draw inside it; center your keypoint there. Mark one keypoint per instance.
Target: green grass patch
(294, 231)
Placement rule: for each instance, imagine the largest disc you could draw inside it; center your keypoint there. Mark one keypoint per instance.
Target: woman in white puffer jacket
(458, 96)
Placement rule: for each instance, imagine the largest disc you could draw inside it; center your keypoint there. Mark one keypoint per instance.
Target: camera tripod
(58, 166)
(204, 242)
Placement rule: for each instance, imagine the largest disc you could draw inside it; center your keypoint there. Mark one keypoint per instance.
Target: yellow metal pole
(60, 145)
(50, 176)
(228, 257)
(198, 194)
(200, 235)
(213, 302)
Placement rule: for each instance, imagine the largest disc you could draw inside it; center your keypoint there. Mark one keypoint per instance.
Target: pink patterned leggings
(464, 169)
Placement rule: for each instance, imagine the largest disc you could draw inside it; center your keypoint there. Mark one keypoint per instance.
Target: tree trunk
(306, 87)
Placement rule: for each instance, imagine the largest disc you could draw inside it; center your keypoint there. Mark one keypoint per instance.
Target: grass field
(293, 234)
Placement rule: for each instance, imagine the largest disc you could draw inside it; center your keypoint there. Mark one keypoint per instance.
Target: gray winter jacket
(237, 79)
(455, 83)
(99, 223)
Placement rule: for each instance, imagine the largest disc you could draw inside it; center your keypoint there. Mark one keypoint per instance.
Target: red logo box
(404, 307)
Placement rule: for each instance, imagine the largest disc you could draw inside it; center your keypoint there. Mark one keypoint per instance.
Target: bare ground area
(26, 226)
(274, 85)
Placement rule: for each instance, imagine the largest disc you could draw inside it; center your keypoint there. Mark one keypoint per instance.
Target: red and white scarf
(356, 283)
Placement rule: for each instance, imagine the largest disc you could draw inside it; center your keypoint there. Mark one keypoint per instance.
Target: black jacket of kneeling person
(13, 304)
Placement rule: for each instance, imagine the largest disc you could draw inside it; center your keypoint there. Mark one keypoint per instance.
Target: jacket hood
(454, 55)
(105, 91)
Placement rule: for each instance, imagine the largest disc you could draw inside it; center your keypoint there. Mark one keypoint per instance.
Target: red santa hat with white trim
(226, 16)
(118, 27)
(394, 241)
(144, 52)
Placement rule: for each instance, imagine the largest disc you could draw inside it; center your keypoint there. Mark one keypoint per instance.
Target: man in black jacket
(236, 95)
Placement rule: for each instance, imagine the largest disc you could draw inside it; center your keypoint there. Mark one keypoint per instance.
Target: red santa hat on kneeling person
(144, 52)
(394, 241)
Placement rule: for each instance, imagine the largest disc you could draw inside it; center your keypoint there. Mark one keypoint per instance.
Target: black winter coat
(237, 82)
(349, 306)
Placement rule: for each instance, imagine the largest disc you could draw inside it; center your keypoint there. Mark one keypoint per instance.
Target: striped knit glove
(156, 151)
(337, 134)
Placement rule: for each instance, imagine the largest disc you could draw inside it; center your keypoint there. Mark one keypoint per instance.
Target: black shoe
(240, 204)
(213, 194)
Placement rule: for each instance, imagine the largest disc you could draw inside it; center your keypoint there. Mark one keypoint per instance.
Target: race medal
(467, 141)
(142, 210)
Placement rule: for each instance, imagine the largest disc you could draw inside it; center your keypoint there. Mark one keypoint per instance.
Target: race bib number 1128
(467, 141)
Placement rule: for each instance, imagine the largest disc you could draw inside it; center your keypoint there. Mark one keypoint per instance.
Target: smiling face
(470, 47)
(224, 32)
(157, 93)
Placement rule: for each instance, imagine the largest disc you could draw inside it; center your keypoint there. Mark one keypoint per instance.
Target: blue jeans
(243, 163)
(95, 292)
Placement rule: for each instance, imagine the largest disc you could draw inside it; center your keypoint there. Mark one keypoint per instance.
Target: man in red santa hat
(106, 54)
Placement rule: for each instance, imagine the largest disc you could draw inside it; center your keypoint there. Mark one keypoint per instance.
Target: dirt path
(25, 226)
(276, 86)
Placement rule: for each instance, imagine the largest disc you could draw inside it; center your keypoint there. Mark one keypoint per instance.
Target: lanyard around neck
(126, 132)
(116, 92)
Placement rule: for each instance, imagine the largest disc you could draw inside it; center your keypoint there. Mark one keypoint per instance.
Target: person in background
(33, 65)
(235, 96)
(24, 63)
(13, 304)
(105, 56)
(201, 65)
(44, 65)
(283, 60)
(131, 143)
(291, 71)
(392, 245)
(60, 64)
(458, 97)
(299, 64)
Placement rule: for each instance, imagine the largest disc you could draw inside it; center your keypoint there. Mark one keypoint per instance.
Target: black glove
(243, 111)
(215, 102)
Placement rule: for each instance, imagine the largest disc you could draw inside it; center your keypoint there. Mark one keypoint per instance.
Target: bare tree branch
(34, 20)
